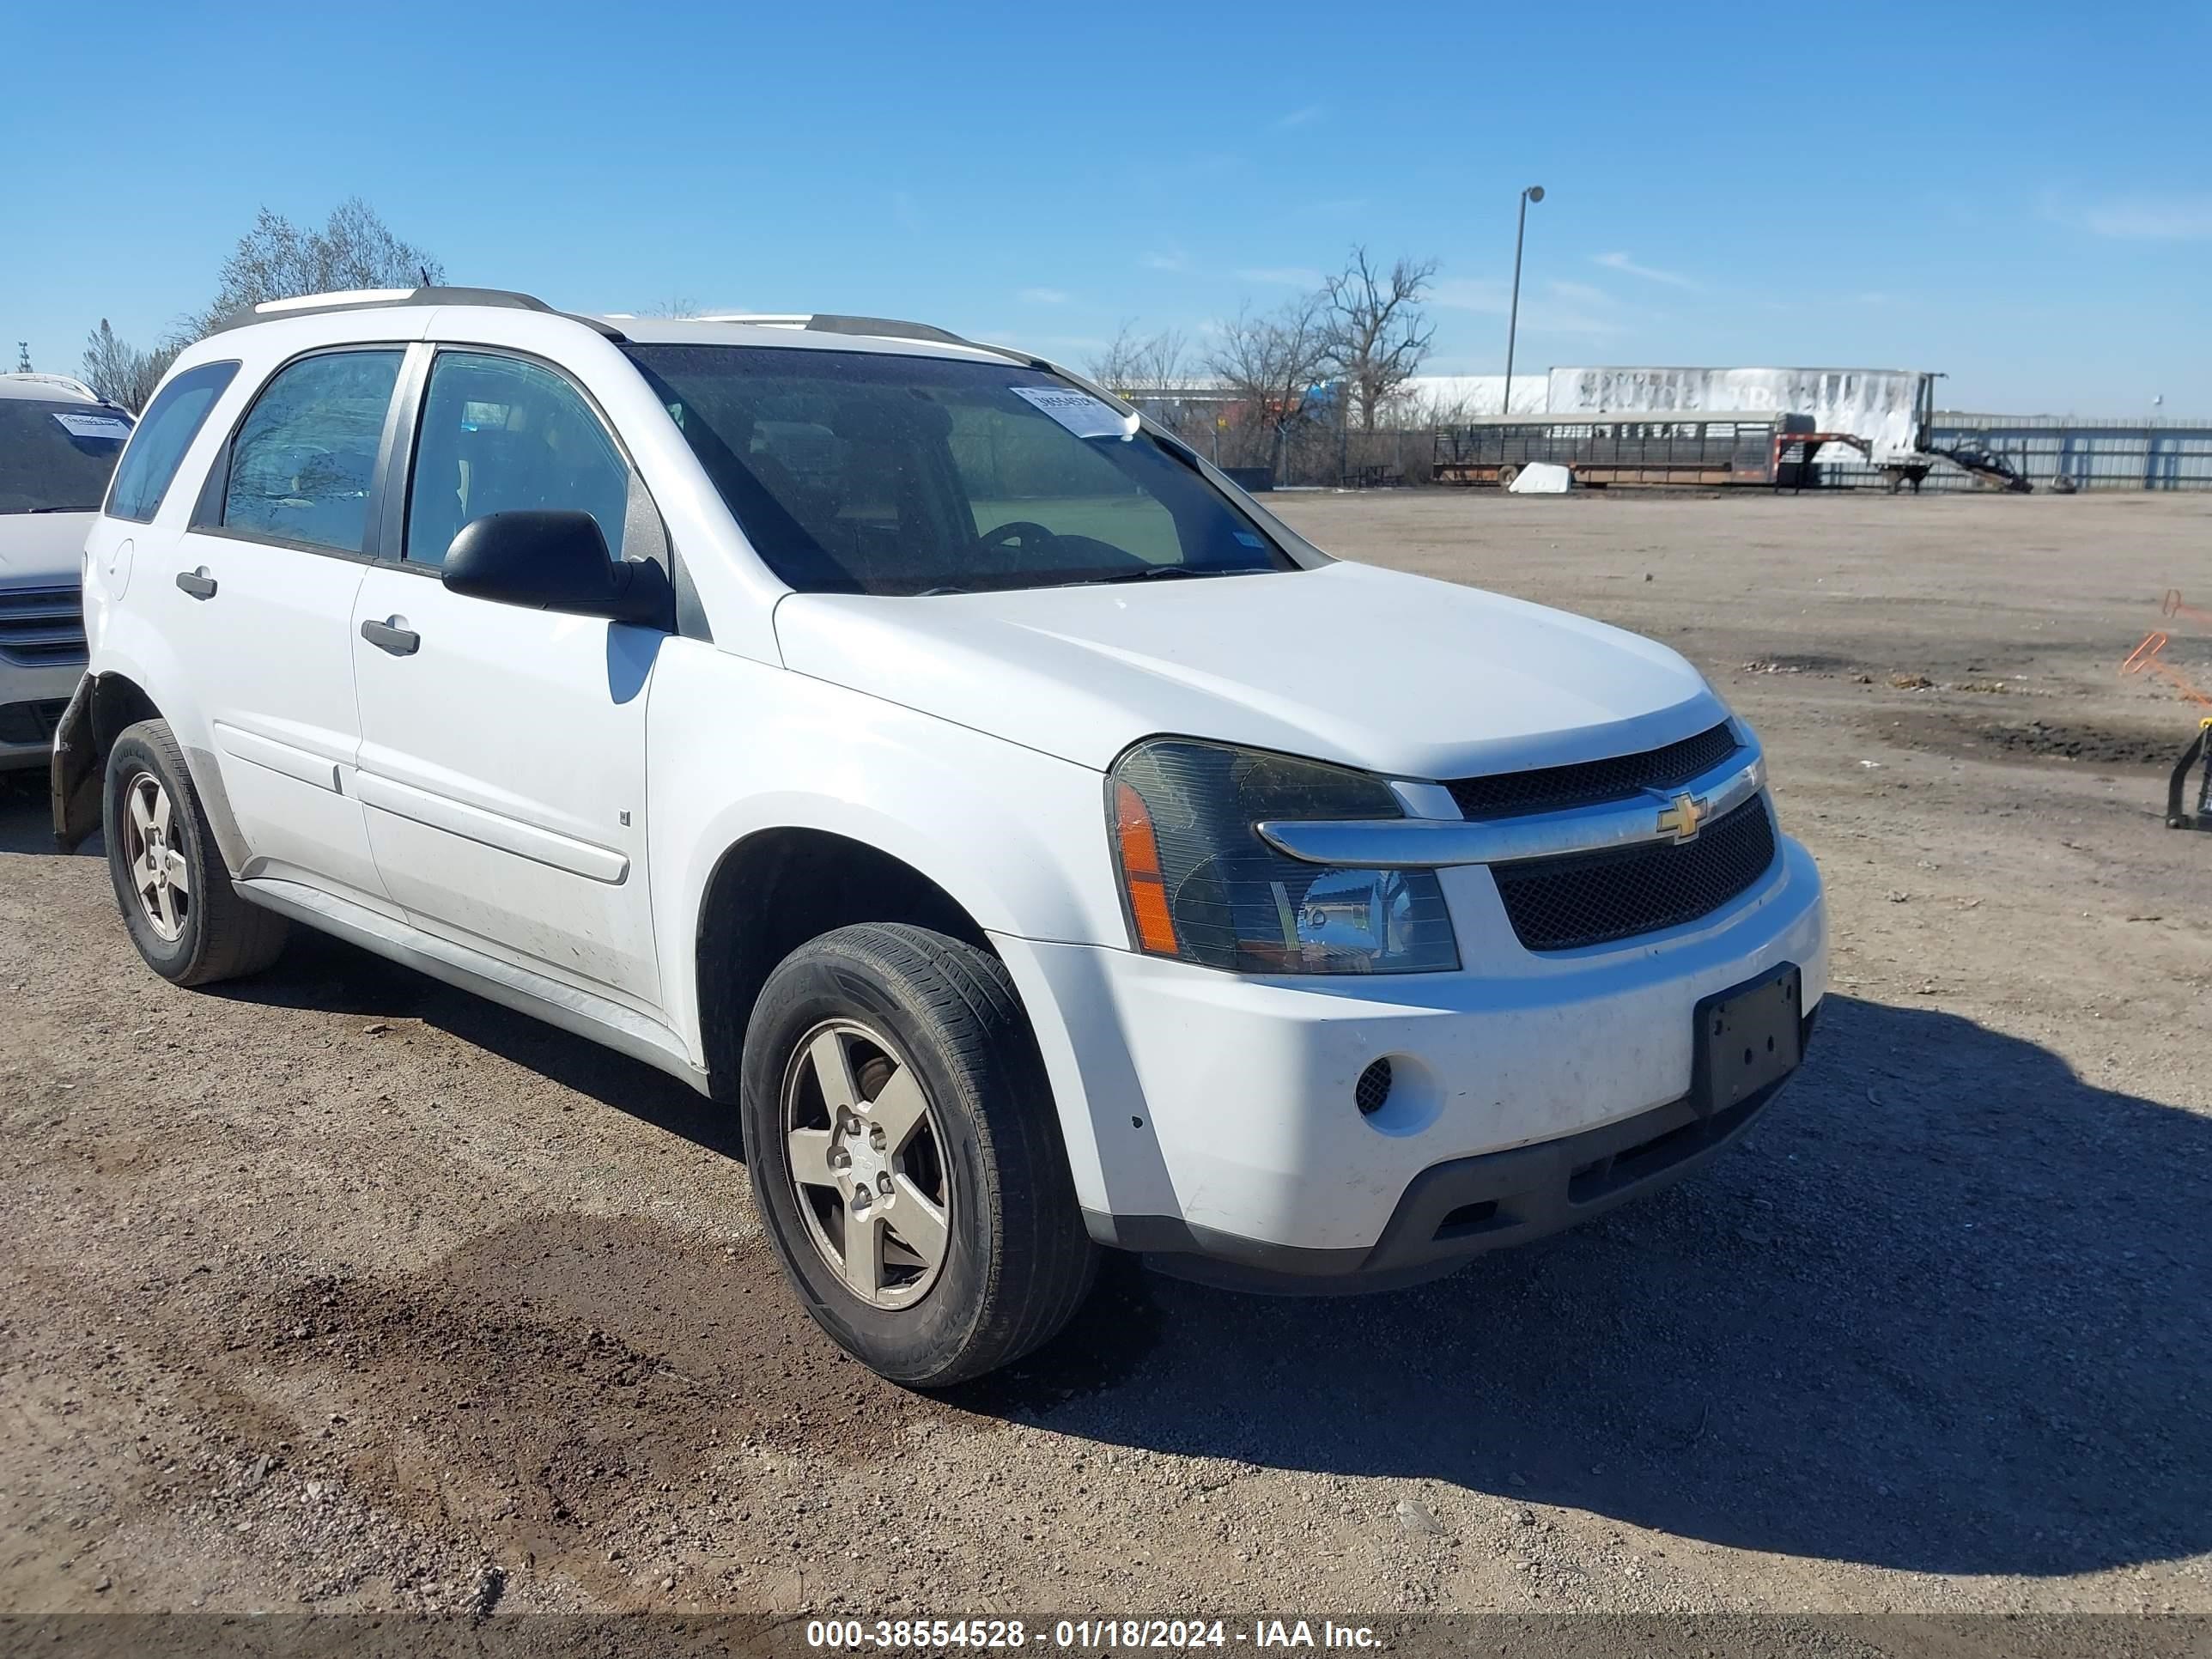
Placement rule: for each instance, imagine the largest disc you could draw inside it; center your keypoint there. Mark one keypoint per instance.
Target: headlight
(1200, 884)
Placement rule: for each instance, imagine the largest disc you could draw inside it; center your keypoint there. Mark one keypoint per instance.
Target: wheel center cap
(868, 1164)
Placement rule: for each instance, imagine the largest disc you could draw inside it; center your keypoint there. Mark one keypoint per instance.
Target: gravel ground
(338, 1289)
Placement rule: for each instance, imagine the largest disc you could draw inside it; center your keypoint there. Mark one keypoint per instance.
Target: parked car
(1039, 845)
(58, 443)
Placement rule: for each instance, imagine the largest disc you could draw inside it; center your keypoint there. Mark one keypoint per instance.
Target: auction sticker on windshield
(1079, 411)
(95, 426)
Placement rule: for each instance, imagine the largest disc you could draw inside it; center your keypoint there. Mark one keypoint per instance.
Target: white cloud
(1173, 259)
(1043, 296)
(1580, 293)
(1281, 276)
(1298, 118)
(1470, 294)
(2153, 218)
(1565, 308)
(1626, 266)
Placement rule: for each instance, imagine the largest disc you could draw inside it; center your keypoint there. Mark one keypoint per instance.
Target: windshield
(861, 472)
(56, 458)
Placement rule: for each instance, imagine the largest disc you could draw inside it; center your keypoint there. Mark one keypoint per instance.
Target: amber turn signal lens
(1140, 872)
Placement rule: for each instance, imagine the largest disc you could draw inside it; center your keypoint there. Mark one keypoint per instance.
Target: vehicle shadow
(27, 823)
(1944, 1310)
(319, 972)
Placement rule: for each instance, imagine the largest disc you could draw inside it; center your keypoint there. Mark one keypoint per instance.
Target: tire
(1506, 475)
(935, 1052)
(189, 922)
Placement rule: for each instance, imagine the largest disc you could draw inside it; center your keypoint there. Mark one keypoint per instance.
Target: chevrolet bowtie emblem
(1681, 817)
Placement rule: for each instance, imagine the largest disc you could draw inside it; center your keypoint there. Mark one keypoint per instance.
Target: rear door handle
(394, 636)
(197, 583)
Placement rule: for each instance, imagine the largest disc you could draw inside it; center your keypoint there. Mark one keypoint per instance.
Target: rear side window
(304, 456)
(157, 448)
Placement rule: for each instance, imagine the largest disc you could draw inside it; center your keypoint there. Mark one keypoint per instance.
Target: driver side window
(500, 434)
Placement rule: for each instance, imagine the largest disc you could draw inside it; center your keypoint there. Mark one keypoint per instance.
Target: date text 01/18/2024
(1079, 1634)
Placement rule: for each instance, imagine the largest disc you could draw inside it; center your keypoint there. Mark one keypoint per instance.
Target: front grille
(31, 722)
(1549, 788)
(1590, 898)
(41, 627)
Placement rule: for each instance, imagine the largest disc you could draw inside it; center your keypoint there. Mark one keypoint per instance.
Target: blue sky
(2020, 196)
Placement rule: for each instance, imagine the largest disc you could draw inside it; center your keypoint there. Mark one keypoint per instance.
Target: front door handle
(394, 635)
(197, 583)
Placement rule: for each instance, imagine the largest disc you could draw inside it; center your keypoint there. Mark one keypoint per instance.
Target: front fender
(736, 747)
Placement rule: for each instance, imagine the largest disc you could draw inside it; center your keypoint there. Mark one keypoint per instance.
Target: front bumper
(1451, 1213)
(1211, 1116)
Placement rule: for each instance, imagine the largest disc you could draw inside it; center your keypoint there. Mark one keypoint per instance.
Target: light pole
(1534, 193)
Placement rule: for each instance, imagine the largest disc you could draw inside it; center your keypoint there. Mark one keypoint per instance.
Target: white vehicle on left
(59, 442)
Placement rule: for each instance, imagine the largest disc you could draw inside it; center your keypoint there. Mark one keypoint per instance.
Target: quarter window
(501, 434)
(305, 454)
(157, 448)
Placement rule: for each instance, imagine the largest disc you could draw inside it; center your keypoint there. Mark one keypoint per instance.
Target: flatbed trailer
(1695, 448)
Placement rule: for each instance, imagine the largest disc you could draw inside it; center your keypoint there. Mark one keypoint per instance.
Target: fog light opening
(1373, 1092)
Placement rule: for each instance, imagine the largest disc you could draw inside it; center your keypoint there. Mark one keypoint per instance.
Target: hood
(1352, 663)
(43, 549)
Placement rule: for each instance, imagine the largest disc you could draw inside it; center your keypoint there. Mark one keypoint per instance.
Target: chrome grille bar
(1435, 843)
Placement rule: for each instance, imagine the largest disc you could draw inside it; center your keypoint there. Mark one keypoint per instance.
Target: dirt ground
(340, 1289)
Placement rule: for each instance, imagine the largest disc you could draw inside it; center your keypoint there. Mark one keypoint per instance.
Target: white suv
(58, 441)
(1040, 845)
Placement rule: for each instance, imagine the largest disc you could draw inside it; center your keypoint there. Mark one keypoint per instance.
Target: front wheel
(905, 1154)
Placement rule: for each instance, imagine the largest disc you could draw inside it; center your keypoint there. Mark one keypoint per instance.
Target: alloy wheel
(159, 875)
(865, 1154)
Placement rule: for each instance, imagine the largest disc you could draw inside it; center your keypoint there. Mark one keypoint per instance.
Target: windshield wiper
(90, 507)
(1155, 572)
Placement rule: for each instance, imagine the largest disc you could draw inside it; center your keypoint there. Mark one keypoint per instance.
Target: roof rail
(825, 322)
(881, 328)
(364, 298)
(66, 383)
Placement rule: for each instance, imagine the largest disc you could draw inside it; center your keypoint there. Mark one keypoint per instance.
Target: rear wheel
(187, 920)
(1506, 475)
(905, 1154)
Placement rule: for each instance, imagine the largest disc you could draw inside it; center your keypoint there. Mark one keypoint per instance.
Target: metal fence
(2090, 454)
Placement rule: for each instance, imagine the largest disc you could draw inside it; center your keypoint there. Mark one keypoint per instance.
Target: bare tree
(1132, 363)
(122, 374)
(1378, 336)
(677, 305)
(1164, 361)
(1114, 365)
(1273, 365)
(277, 260)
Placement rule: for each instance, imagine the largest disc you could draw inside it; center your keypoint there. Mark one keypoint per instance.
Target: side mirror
(556, 561)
